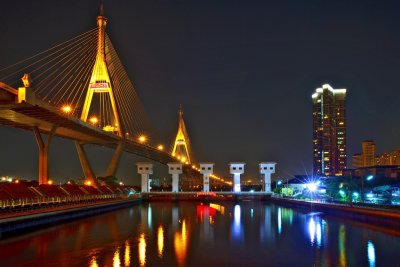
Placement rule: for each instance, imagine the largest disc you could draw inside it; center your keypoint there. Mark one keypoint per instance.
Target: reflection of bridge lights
(160, 147)
(66, 109)
(93, 120)
(142, 138)
(142, 250)
(116, 259)
(160, 241)
(127, 257)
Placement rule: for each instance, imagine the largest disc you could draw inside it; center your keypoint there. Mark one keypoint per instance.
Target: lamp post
(368, 178)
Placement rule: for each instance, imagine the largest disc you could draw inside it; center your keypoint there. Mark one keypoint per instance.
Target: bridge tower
(182, 149)
(100, 81)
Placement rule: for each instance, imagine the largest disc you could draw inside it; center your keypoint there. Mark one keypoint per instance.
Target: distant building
(329, 131)
(388, 171)
(368, 153)
(369, 158)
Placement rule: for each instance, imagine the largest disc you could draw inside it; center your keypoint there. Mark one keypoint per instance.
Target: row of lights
(143, 139)
(67, 109)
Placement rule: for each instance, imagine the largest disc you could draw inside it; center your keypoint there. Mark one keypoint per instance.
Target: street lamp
(368, 178)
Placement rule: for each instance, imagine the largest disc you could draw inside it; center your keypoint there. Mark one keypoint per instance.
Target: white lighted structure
(266, 169)
(145, 169)
(206, 169)
(175, 169)
(236, 168)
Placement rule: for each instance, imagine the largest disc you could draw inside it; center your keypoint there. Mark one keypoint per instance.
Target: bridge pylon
(182, 149)
(100, 82)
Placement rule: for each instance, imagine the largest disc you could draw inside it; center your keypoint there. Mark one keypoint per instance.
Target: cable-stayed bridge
(80, 90)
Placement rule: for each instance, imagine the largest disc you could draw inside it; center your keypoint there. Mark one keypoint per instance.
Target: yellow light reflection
(180, 244)
(142, 250)
(116, 259)
(218, 207)
(160, 241)
(127, 257)
(93, 262)
(342, 246)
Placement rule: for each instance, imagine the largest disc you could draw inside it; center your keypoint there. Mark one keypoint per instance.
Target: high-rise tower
(329, 131)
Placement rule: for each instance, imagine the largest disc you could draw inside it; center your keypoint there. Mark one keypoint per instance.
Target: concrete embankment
(206, 196)
(28, 220)
(379, 216)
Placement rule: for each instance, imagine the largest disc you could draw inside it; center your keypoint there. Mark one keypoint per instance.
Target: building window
(234, 168)
(203, 168)
(140, 168)
(240, 168)
(209, 168)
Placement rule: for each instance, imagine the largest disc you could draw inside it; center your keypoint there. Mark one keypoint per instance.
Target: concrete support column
(85, 164)
(236, 168)
(43, 153)
(266, 169)
(206, 169)
(145, 169)
(175, 169)
(112, 167)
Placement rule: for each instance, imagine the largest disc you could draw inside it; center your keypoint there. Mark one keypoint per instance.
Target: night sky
(243, 70)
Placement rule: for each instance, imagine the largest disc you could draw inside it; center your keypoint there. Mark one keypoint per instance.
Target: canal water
(213, 234)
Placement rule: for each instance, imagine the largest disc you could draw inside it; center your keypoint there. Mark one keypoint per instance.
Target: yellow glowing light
(180, 244)
(94, 120)
(116, 259)
(142, 138)
(88, 183)
(66, 109)
(93, 262)
(160, 147)
(127, 254)
(50, 182)
(160, 241)
(142, 250)
(17, 181)
(178, 157)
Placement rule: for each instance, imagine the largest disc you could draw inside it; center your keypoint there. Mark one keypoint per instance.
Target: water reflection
(371, 253)
(181, 244)
(142, 250)
(279, 220)
(187, 234)
(237, 227)
(315, 231)
(160, 241)
(342, 246)
(127, 257)
(116, 259)
(93, 262)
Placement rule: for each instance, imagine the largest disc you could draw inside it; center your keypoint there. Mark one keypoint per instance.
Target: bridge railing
(43, 202)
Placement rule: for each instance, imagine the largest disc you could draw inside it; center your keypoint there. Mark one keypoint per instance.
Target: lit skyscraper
(329, 131)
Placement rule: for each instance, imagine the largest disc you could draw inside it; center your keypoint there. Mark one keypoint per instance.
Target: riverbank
(27, 220)
(206, 196)
(379, 216)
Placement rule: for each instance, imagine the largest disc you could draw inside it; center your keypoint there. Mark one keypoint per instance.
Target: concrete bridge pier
(206, 169)
(145, 169)
(266, 169)
(112, 167)
(175, 169)
(236, 168)
(85, 164)
(43, 153)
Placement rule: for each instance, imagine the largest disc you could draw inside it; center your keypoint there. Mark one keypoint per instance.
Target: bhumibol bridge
(80, 90)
